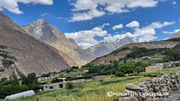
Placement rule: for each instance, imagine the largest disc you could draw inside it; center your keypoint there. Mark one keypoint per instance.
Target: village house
(79, 76)
(174, 63)
(171, 64)
(53, 86)
(146, 57)
(155, 67)
(63, 78)
(48, 78)
(78, 81)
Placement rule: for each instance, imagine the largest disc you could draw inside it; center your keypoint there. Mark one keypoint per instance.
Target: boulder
(132, 87)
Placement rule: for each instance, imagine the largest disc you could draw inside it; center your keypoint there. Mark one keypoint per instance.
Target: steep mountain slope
(71, 52)
(177, 35)
(31, 54)
(120, 53)
(104, 48)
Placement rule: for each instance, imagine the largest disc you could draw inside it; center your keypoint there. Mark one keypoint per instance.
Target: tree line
(15, 85)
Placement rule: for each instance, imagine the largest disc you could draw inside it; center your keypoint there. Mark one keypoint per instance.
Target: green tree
(171, 54)
(31, 78)
(115, 63)
(127, 68)
(75, 67)
(4, 79)
(119, 74)
(132, 67)
(139, 69)
(14, 80)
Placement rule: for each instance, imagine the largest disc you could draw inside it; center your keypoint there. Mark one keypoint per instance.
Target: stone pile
(152, 90)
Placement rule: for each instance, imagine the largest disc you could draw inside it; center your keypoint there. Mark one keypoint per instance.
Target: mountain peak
(27, 50)
(71, 52)
(3, 16)
(177, 35)
(104, 48)
(40, 22)
(126, 37)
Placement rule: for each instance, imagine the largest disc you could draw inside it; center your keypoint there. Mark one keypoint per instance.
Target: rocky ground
(175, 96)
(165, 87)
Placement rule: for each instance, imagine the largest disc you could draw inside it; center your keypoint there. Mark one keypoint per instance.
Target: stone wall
(155, 89)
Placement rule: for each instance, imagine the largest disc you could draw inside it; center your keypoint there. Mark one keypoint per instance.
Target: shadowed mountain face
(177, 35)
(70, 51)
(104, 48)
(32, 55)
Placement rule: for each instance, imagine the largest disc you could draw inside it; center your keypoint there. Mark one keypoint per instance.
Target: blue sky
(92, 21)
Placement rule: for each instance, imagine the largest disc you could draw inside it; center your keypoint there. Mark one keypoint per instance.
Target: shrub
(119, 74)
(69, 86)
(46, 75)
(56, 80)
(3, 47)
(12, 89)
(7, 63)
(139, 69)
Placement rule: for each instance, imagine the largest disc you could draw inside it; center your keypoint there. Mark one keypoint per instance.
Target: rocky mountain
(120, 53)
(70, 51)
(177, 35)
(22, 53)
(104, 48)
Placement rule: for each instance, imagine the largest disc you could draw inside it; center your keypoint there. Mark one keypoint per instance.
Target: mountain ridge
(70, 51)
(32, 55)
(104, 48)
(121, 54)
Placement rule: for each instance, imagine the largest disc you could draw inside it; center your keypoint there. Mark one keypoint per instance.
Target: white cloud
(111, 38)
(89, 9)
(86, 38)
(143, 34)
(133, 24)
(173, 32)
(12, 5)
(105, 24)
(44, 14)
(147, 33)
(146, 38)
(61, 18)
(117, 27)
(174, 3)
(165, 38)
(87, 15)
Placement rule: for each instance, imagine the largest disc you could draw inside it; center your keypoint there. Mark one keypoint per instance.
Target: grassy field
(94, 91)
(157, 57)
(91, 91)
(75, 74)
